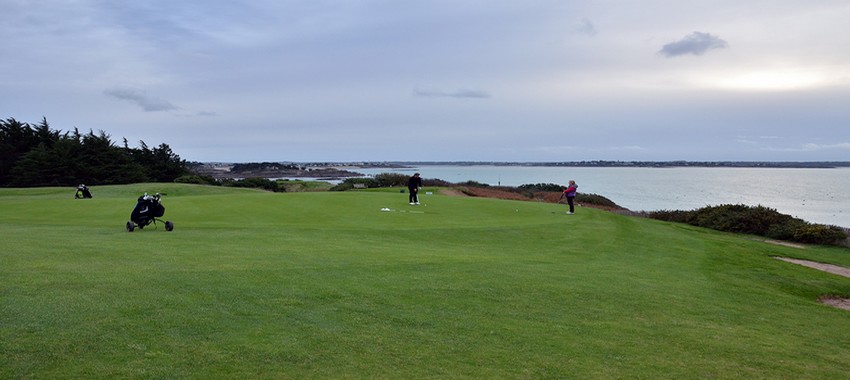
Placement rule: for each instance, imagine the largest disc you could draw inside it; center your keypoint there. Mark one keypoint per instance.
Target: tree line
(37, 155)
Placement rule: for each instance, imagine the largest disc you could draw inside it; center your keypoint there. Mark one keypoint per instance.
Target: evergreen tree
(16, 139)
(39, 156)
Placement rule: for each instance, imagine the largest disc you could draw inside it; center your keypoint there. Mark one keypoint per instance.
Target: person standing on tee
(570, 193)
(414, 183)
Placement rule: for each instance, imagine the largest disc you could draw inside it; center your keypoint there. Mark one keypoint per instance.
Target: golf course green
(253, 284)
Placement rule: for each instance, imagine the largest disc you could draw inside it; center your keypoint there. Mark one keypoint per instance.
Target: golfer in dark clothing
(413, 185)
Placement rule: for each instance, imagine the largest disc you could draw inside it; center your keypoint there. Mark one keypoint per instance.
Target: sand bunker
(842, 303)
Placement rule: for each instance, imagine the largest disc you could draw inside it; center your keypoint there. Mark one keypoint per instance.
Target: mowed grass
(252, 284)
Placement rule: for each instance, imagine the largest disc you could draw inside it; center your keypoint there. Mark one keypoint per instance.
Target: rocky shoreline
(225, 171)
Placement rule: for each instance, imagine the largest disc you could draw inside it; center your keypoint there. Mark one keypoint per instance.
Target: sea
(814, 195)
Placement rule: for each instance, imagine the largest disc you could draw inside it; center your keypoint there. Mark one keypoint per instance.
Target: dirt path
(834, 269)
(452, 192)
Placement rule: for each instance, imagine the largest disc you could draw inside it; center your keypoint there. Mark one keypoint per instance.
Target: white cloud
(458, 93)
(637, 148)
(813, 147)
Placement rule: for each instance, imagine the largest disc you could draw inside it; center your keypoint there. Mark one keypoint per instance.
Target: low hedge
(755, 220)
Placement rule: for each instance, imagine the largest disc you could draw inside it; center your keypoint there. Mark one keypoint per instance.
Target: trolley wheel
(130, 226)
(168, 225)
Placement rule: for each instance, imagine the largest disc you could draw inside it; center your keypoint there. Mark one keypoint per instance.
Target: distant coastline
(339, 170)
(602, 163)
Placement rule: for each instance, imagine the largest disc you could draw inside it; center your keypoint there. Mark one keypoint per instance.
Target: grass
(252, 284)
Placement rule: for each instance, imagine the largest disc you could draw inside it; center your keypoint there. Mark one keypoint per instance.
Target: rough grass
(252, 284)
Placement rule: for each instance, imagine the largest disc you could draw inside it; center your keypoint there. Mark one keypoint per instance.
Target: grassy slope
(324, 285)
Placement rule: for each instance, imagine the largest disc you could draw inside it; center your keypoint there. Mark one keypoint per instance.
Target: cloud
(561, 149)
(696, 43)
(459, 93)
(141, 99)
(811, 147)
(586, 27)
(755, 140)
(628, 148)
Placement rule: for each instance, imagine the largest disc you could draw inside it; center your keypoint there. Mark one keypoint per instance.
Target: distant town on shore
(652, 164)
(339, 170)
(594, 163)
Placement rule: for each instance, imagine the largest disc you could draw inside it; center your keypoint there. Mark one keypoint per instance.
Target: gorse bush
(255, 183)
(391, 179)
(595, 199)
(473, 184)
(251, 182)
(739, 218)
(435, 182)
(553, 187)
(348, 183)
(819, 234)
(755, 220)
(198, 180)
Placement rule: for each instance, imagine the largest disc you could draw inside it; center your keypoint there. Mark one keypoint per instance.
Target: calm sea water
(814, 195)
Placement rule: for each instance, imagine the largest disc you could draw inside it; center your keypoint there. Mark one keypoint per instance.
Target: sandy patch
(834, 269)
(452, 192)
(785, 243)
(841, 303)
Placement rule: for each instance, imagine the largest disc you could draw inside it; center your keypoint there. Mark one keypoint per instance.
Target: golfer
(413, 185)
(570, 193)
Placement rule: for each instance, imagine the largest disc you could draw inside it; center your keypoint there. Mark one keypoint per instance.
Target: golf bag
(82, 192)
(148, 209)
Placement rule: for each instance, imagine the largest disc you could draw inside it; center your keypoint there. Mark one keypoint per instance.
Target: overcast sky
(438, 80)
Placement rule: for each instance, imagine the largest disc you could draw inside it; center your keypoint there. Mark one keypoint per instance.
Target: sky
(438, 80)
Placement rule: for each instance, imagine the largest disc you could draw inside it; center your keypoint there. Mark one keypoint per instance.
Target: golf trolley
(148, 210)
(83, 192)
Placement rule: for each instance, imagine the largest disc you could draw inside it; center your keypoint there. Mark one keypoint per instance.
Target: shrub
(677, 216)
(342, 186)
(758, 220)
(256, 183)
(731, 218)
(473, 184)
(197, 179)
(349, 183)
(819, 234)
(553, 187)
(391, 179)
(595, 199)
(435, 182)
(786, 230)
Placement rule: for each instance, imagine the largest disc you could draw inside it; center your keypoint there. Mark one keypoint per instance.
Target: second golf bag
(83, 192)
(148, 209)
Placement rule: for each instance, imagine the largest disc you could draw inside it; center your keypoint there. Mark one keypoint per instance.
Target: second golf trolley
(148, 210)
(83, 192)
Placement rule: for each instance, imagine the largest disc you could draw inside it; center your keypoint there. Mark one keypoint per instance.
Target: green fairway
(253, 284)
